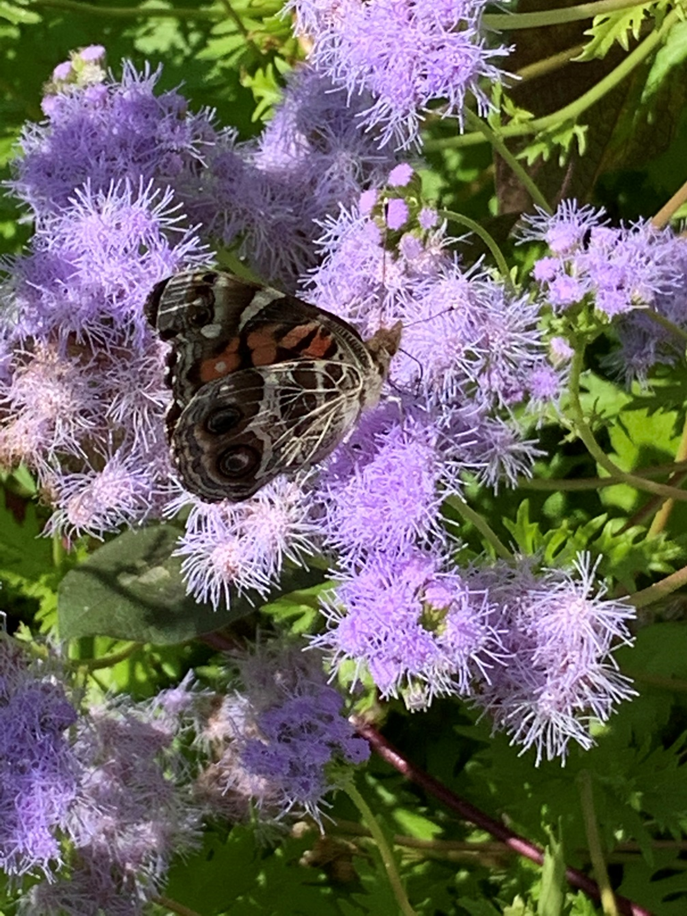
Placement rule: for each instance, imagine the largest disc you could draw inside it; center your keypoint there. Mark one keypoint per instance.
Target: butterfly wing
(219, 324)
(258, 423)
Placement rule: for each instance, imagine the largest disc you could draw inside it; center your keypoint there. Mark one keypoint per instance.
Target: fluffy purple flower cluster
(557, 634)
(39, 775)
(120, 182)
(532, 650)
(95, 803)
(116, 181)
(410, 56)
(285, 740)
(628, 273)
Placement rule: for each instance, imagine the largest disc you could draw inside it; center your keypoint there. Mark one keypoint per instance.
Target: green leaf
(18, 14)
(199, 881)
(132, 588)
(25, 557)
(610, 28)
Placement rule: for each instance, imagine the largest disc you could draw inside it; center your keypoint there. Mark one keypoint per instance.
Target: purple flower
(623, 272)
(397, 214)
(419, 630)
(381, 489)
(404, 53)
(105, 134)
(287, 741)
(312, 157)
(39, 773)
(243, 546)
(132, 811)
(400, 175)
(559, 633)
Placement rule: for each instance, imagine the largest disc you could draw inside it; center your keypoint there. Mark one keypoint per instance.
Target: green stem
(587, 436)
(384, 849)
(500, 147)
(174, 906)
(59, 554)
(668, 210)
(572, 111)
(548, 64)
(481, 525)
(608, 904)
(663, 512)
(509, 21)
(597, 483)
(659, 590)
(107, 661)
(240, 27)
(488, 240)
(665, 323)
(128, 12)
(235, 18)
(657, 680)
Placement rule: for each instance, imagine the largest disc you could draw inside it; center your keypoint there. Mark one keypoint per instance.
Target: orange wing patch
(222, 364)
(318, 347)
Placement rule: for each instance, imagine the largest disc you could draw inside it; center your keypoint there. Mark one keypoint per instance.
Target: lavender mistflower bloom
(559, 632)
(108, 227)
(107, 133)
(397, 214)
(406, 55)
(243, 546)
(626, 273)
(312, 157)
(99, 501)
(77, 331)
(420, 631)
(286, 739)
(39, 773)
(132, 814)
(381, 488)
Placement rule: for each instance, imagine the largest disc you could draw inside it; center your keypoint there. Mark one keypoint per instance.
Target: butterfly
(263, 383)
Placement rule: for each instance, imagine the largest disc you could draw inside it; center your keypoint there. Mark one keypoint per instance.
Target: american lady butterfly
(262, 382)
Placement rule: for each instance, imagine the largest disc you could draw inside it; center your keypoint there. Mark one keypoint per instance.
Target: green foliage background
(627, 150)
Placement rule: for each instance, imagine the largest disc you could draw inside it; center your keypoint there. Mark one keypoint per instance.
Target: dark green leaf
(132, 588)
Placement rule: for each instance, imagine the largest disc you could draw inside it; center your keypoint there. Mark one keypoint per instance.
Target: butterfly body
(262, 382)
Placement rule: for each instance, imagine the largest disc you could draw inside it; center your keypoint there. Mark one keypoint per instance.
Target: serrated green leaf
(526, 534)
(613, 28)
(132, 588)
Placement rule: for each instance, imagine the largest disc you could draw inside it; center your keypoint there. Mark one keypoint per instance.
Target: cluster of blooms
(97, 803)
(532, 650)
(115, 181)
(406, 54)
(94, 803)
(39, 774)
(282, 742)
(630, 273)
(557, 633)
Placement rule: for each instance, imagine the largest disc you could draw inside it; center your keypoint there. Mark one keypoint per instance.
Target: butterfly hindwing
(258, 423)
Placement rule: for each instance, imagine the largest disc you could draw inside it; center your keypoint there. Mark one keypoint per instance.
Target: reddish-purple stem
(515, 842)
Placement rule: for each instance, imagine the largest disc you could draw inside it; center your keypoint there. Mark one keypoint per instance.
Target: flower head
(286, 739)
